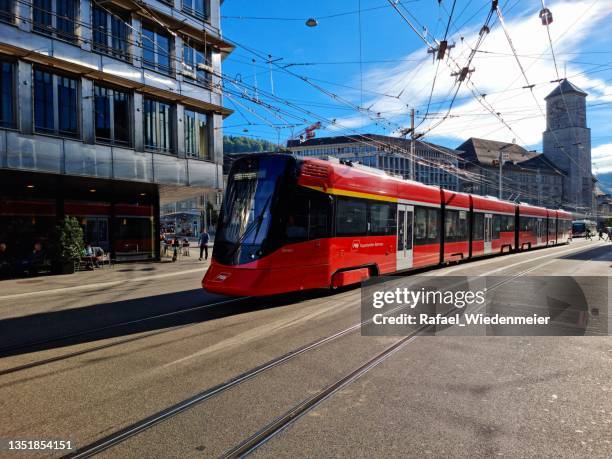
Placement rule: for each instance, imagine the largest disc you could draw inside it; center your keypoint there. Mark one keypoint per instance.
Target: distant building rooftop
(565, 87)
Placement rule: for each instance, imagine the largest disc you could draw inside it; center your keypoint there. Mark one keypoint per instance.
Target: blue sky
(375, 61)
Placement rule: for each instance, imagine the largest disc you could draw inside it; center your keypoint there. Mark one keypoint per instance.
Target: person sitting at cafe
(34, 261)
(91, 257)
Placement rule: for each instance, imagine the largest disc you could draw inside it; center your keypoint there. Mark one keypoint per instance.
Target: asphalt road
(439, 396)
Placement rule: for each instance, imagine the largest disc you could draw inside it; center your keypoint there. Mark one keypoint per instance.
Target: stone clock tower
(567, 136)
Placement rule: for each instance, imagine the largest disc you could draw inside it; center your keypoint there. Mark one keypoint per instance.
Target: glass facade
(157, 118)
(197, 135)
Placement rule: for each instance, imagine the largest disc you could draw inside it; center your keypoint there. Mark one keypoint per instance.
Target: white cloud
(601, 157)
(574, 22)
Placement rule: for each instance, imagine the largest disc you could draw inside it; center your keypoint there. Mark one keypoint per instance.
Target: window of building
(195, 8)
(49, 115)
(194, 58)
(7, 11)
(7, 92)
(157, 120)
(112, 115)
(56, 18)
(197, 134)
(351, 217)
(111, 32)
(156, 50)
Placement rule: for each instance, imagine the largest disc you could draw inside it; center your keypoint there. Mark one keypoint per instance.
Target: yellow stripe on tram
(353, 194)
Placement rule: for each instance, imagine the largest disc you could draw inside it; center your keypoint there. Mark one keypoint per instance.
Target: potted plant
(69, 245)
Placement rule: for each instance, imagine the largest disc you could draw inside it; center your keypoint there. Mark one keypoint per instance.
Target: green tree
(241, 144)
(69, 240)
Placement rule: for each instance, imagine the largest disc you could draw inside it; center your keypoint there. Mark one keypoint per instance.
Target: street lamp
(312, 22)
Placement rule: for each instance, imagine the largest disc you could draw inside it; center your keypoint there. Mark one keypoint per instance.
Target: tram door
(405, 220)
(539, 232)
(488, 232)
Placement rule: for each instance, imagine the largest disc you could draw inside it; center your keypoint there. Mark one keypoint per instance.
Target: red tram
(290, 224)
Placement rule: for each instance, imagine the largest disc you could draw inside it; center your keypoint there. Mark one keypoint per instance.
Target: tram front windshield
(248, 208)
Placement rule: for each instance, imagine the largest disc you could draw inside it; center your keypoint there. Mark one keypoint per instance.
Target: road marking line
(98, 285)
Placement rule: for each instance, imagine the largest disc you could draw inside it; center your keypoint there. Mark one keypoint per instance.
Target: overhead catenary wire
(213, 86)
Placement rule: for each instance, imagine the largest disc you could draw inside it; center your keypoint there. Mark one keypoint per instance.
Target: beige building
(527, 176)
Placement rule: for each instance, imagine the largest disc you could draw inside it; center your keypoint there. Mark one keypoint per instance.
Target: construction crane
(308, 133)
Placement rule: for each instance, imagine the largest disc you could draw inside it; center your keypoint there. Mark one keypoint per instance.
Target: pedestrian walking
(175, 248)
(601, 238)
(203, 243)
(587, 235)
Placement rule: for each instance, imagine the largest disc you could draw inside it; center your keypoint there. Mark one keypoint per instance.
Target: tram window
(382, 219)
(433, 222)
(420, 226)
(526, 223)
(297, 220)
(351, 217)
(496, 226)
(455, 225)
(508, 223)
(319, 218)
(478, 230)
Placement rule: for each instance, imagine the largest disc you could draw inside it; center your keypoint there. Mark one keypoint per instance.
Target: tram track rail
(283, 422)
(269, 431)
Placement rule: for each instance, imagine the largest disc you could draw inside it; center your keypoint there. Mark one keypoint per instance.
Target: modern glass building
(107, 111)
